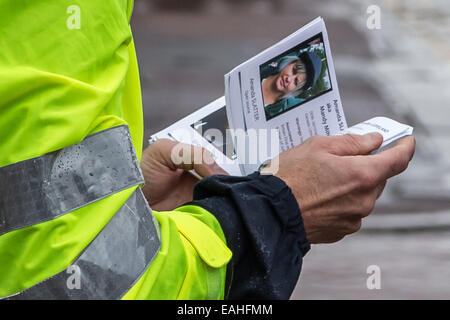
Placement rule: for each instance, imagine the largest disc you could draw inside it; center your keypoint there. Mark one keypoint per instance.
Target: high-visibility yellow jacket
(68, 69)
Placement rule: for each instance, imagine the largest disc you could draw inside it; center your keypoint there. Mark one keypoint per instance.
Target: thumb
(190, 157)
(208, 166)
(353, 144)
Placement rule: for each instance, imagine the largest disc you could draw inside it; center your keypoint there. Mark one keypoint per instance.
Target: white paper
(297, 115)
(391, 130)
(187, 131)
(314, 111)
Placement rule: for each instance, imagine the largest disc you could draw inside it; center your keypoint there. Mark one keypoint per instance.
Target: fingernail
(374, 135)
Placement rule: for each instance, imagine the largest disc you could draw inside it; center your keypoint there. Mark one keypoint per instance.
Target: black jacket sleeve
(264, 229)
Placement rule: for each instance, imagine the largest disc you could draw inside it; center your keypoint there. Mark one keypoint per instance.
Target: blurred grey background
(401, 71)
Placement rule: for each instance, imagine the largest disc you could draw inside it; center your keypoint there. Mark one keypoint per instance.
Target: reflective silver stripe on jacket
(112, 262)
(43, 188)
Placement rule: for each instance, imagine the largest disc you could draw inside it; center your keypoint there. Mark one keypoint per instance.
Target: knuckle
(315, 140)
(404, 161)
(350, 138)
(355, 226)
(395, 160)
(334, 148)
(367, 206)
(336, 236)
(366, 178)
(355, 172)
(361, 176)
(351, 226)
(339, 237)
(372, 180)
(401, 163)
(352, 141)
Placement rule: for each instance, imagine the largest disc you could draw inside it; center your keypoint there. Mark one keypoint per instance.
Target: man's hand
(169, 184)
(336, 182)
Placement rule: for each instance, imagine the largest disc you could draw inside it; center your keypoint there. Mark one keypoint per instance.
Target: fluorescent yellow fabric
(57, 86)
(69, 81)
(207, 244)
(182, 269)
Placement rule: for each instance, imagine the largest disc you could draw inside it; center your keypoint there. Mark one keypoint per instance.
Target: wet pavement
(401, 71)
